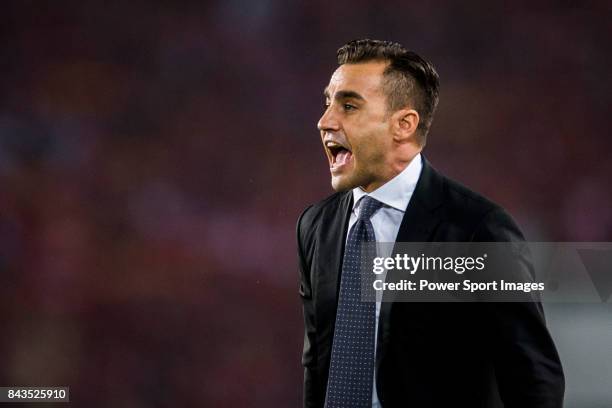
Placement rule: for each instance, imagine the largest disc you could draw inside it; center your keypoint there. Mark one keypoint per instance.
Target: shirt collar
(396, 192)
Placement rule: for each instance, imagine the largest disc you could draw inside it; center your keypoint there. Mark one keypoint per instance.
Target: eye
(349, 107)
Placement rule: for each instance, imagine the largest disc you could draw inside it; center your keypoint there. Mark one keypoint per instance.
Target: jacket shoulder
(311, 216)
(434, 190)
(461, 197)
(485, 219)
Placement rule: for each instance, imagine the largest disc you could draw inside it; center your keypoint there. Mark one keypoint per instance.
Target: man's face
(355, 128)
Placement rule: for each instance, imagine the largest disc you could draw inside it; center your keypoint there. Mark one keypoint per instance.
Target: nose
(329, 121)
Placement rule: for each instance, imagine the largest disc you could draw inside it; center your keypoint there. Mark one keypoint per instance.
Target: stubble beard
(347, 182)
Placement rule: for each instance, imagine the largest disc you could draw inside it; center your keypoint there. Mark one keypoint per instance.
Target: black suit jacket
(430, 354)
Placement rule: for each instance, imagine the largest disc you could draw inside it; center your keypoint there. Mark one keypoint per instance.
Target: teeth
(332, 144)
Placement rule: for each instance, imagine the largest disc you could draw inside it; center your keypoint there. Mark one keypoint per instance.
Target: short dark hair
(409, 79)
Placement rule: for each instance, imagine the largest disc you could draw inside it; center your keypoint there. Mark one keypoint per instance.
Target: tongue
(343, 157)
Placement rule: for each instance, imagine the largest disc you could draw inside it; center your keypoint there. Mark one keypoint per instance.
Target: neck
(395, 168)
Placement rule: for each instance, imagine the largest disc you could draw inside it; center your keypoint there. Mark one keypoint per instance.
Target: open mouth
(339, 154)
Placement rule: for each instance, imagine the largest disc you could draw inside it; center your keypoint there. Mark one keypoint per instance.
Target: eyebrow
(340, 95)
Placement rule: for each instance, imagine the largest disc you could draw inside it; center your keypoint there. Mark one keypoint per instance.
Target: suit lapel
(330, 251)
(421, 218)
(421, 215)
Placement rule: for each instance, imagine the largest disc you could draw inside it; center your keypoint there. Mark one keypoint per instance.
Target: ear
(404, 124)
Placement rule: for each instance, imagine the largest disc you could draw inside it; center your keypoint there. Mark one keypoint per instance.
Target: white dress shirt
(395, 195)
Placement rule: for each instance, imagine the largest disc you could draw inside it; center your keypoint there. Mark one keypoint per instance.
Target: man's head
(379, 107)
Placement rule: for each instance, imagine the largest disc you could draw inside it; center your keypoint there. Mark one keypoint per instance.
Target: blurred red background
(154, 157)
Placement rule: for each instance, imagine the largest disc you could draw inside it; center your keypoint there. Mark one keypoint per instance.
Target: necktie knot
(368, 206)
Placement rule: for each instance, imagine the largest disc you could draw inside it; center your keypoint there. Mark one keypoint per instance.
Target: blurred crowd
(154, 157)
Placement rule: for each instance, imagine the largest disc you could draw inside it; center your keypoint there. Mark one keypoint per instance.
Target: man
(379, 107)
